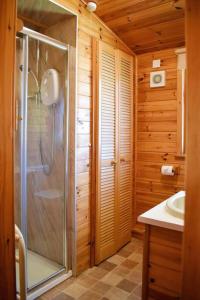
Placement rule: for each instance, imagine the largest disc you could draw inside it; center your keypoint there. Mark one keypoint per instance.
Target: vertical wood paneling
(156, 138)
(7, 125)
(83, 149)
(191, 266)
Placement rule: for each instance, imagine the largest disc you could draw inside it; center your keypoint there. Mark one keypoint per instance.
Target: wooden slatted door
(125, 144)
(114, 154)
(106, 202)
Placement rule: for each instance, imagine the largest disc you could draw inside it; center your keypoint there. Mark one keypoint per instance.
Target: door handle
(113, 163)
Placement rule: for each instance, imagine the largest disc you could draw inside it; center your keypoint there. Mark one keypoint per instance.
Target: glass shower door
(43, 146)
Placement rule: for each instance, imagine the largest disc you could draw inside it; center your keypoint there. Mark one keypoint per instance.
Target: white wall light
(91, 6)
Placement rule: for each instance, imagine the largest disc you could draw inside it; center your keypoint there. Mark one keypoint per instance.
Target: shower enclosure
(41, 151)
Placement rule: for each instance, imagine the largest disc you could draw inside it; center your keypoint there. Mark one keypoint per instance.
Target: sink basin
(176, 205)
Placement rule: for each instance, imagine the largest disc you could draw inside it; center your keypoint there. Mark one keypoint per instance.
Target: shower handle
(18, 117)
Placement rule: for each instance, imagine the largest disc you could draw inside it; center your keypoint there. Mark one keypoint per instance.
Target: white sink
(176, 205)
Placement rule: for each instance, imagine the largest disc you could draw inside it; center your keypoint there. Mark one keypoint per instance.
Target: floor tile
(106, 265)
(116, 294)
(122, 271)
(139, 267)
(112, 279)
(137, 257)
(124, 253)
(126, 285)
(75, 290)
(86, 281)
(65, 284)
(134, 276)
(116, 259)
(63, 296)
(101, 287)
(89, 295)
(138, 291)
(133, 297)
(130, 264)
(97, 273)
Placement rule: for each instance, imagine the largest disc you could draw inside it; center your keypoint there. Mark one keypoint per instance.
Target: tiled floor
(117, 278)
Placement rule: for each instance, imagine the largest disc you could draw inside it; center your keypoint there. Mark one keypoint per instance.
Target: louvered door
(125, 144)
(114, 154)
(106, 157)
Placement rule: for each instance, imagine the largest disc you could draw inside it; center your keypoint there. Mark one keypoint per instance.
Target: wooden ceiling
(145, 25)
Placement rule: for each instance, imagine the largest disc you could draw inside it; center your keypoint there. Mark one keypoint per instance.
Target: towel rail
(21, 260)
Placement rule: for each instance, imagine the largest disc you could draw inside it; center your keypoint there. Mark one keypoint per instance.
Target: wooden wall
(156, 136)
(191, 265)
(89, 26)
(7, 124)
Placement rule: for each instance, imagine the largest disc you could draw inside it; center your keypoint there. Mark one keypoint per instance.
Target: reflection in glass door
(40, 156)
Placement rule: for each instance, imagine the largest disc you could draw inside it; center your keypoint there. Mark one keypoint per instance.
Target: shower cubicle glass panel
(40, 160)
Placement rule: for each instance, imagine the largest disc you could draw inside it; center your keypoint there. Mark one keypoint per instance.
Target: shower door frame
(25, 34)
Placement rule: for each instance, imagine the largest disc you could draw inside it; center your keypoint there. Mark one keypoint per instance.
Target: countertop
(159, 216)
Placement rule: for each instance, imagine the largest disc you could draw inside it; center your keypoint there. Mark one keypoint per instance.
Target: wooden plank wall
(156, 135)
(7, 124)
(191, 265)
(89, 26)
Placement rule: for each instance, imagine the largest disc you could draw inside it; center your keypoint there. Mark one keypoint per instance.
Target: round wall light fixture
(91, 6)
